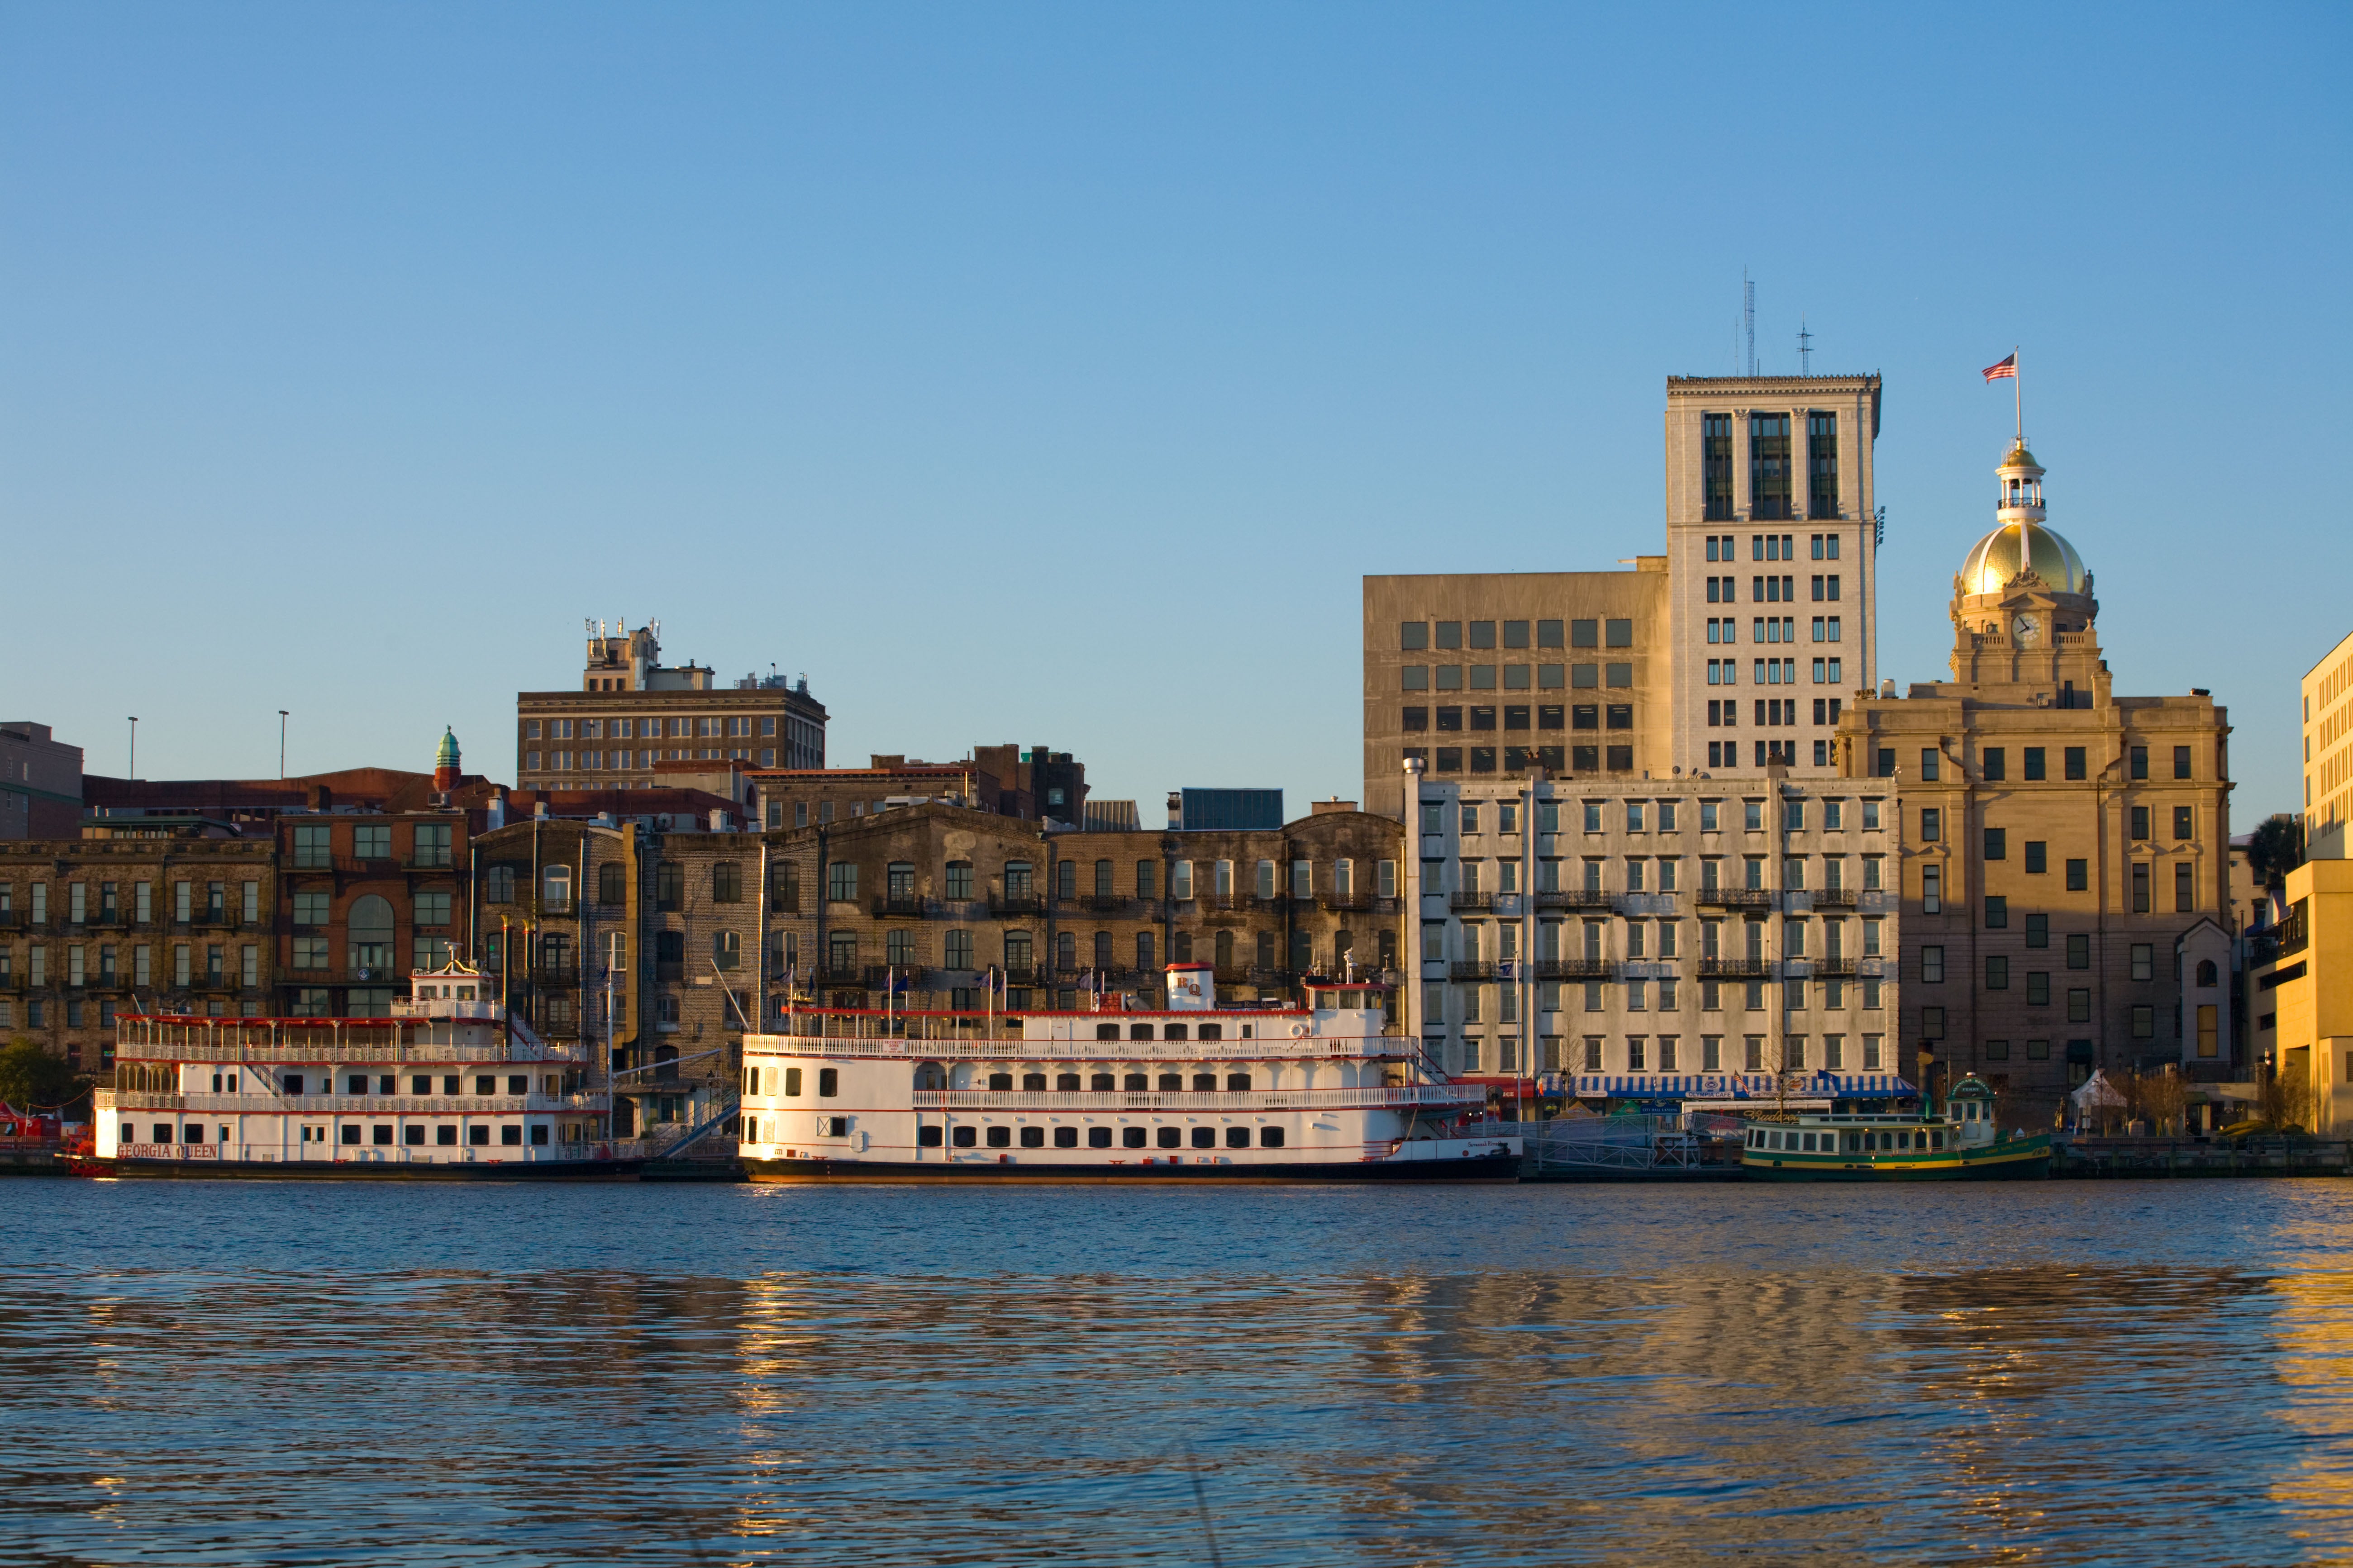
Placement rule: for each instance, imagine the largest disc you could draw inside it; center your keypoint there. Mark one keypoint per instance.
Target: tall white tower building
(1772, 561)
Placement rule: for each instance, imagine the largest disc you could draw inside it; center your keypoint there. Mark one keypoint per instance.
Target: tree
(30, 1077)
(2275, 848)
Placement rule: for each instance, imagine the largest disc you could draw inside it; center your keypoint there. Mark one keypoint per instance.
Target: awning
(1738, 1086)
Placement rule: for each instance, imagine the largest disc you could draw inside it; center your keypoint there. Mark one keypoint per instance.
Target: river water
(2062, 1373)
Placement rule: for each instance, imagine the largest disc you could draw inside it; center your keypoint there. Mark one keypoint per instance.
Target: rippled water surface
(252, 1373)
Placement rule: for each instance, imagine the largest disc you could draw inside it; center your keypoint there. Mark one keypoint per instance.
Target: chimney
(498, 811)
(1176, 810)
(539, 808)
(718, 820)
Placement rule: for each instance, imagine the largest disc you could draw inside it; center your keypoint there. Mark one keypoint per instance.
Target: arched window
(665, 1062)
(1102, 947)
(2206, 973)
(370, 926)
(1066, 944)
(727, 949)
(1302, 949)
(1143, 951)
(555, 888)
(1017, 950)
(1180, 947)
(1225, 951)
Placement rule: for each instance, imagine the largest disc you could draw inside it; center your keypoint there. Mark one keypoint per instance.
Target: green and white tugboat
(1962, 1144)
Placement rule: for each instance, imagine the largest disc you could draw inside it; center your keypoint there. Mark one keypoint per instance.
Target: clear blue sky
(1053, 374)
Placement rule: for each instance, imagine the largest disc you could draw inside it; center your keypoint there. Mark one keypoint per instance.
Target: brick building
(1028, 783)
(40, 782)
(2065, 850)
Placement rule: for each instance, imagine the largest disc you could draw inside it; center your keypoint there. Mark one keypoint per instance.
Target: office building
(40, 782)
(2326, 705)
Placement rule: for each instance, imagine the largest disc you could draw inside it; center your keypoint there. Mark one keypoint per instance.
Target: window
(2079, 951)
(2185, 888)
(2079, 876)
(2038, 930)
(1715, 472)
(1822, 475)
(2079, 1004)
(1932, 889)
(842, 881)
(2182, 764)
(1997, 912)
(2140, 886)
(1769, 466)
(2139, 827)
(2033, 759)
(1932, 822)
(1997, 968)
(2144, 965)
(1995, 762)
(2139, 761)
(1413, 635)
(1450, 634)
(612, 882)
(311, 851)
(2074, 760)
(670, 885)
(2037, 856)
(2185, 820)
(727, 882)
(1932, 965)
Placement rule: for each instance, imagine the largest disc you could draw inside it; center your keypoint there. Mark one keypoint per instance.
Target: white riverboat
(1194, 1092)
(449, 1086)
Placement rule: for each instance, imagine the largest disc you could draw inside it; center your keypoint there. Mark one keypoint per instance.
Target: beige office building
(2327, 712)
(1736, 650)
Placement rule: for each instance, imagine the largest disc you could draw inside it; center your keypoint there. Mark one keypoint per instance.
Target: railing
(1733, 968)
(566, 973)
(1017, 904)
(1459, 899)
(1106, 903)
(1574, 899)
(1470, 969)
(356, 1104)
(1834, 898)
(2294, 932)
(1172, 1099)
(1574, 968)
(1837, 968)
(908, 907)
(1360, 904)
(840, 975)
(1735, 897)
(432, 860)
(354, 1154)
(1275, 1047)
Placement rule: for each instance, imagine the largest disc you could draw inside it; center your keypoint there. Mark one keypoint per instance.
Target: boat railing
(590, 1151)
(1371, 1099)
(356, 1104)
(1275, 1047)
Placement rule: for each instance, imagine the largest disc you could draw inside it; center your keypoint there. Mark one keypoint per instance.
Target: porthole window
(1131, 1137)
(1270, 1137)
(1204, 1137)
(1238, 1137)
(964, 1137)
(1172, 1138)
(1033, 1138)
(1000, 1137)
(1066, 1137)
(1098, 1137)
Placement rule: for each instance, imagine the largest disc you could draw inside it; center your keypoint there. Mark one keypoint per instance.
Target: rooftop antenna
(1748, 319)
(1805, 349)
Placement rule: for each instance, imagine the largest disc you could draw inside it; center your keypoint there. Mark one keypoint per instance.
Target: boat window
(1134, 1081)
(1000, 1081)
(1808, 1140)
(1033, 1080)
(1173, 1032)
(963, 1137)
(1172, 1080)
(1172, 1137)
(1270, 1137)
(1066, 1083)
(1138, 1031)
(792, 1083)
(1000, 1137)
(1204, 1083)
(828, 1082)
(1098, 1137)
(1101, 1083)
(1936, 1139)
(1238, 1137)
(927, 1137)
(1066, 1137)
(1240, 1081)
(1132, 1137)
(1106, 1031)
(1204, 1137)
(1209, 1032)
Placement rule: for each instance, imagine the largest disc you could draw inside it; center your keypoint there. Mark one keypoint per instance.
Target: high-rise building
(1772, 548)
(40, 782)
(2327, 706)
(2064, 851)
(631, 712)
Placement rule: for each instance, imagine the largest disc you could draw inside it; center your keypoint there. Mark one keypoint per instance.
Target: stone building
(2065, 850)
(631, 712)
(169, 920)
(1027, 782)
(1659, 941)
(2325, 706)
(364, 898)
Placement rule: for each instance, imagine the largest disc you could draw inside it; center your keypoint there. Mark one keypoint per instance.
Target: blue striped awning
(1727, 1085)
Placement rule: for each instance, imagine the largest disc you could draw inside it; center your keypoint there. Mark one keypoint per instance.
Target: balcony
(1834, 898)
(1470, 969)
(1002, 904)
(1576, 899)
(1459, 899)
(1733, 968)
(1104, 903)
(1735, 897)
(1359, 904)
(1575, 969)
(563, 972)
(901, 906)
(431, 860)
(1835, 968)
(840, 974)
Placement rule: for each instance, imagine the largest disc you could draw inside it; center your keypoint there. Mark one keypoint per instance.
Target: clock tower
(2022, 605)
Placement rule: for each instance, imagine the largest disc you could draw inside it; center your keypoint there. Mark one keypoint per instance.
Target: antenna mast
(1748, 319)
(1805, 349)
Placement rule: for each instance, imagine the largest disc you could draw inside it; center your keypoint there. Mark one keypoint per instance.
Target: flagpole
(2018, 393)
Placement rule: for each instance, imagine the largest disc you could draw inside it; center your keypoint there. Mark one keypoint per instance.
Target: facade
(2065, 851)
(2303, 999)
(365, 898)
(1616, 940)
(1772, 545)
(1027, 782)
(95, 929)
(40, 782)
(1487, 674)
(631, 712)
(2327, 706)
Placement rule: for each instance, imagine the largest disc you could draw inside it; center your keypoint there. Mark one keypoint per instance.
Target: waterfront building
(2064, 849)
(1655, 939)
(2325, 703)
(630, 712)
(1028, 783)
(40, 782)
(2303, 999)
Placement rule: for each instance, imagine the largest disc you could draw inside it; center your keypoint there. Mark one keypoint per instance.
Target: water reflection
(1384, 1413)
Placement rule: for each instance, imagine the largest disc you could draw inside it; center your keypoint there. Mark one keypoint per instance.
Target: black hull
(357, 1171)
(1477, 1168)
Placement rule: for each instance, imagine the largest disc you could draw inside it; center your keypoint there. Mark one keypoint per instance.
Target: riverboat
(1963, 1143)
(1191, 1093)
(450, 1087)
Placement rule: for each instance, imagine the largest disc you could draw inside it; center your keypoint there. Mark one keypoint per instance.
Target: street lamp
(281, 743)
(134, 746)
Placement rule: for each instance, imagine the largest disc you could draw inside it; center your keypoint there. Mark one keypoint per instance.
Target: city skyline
(1094, 316)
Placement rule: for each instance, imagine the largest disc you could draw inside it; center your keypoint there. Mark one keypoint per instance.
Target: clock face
(2027, 627)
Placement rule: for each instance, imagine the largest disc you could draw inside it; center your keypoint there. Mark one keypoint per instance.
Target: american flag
(2007, 367)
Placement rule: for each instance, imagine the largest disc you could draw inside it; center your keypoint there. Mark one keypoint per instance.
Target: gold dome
(2015, 546)
(2019, 458)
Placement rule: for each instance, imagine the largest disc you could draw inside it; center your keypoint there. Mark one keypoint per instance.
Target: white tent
(2096, 1092)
